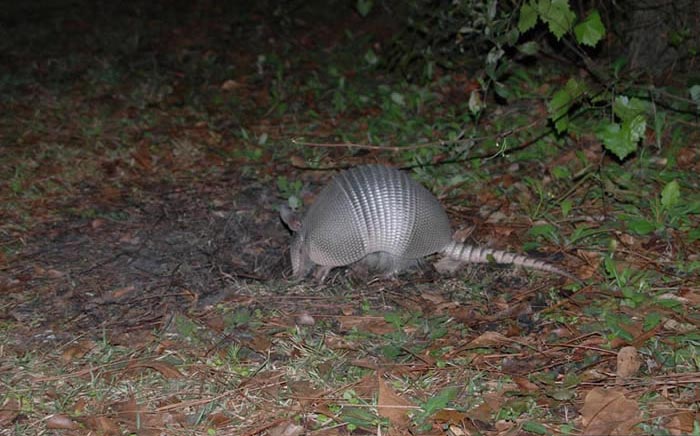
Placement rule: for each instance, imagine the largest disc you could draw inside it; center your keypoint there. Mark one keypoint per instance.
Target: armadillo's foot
(361, 270)
(447, 265)
(321, 273)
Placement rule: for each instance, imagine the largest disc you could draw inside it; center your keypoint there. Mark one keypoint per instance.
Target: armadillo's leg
(447, 265)
(322, 272)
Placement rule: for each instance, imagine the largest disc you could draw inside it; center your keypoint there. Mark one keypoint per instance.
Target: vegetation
(146, 147)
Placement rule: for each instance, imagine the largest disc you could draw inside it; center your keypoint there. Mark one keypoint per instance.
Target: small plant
(291, 191)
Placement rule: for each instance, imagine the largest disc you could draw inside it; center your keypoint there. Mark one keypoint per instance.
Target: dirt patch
(168, 248)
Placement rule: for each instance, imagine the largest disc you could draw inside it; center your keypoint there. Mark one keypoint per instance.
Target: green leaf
(391, 351)
(591, 30)
(558, 16)
(562, 394)
(616, 328)
(528, 17)
(440, 401)
(561, 102)
(360, 417)
(694, 92)
(694, 235)
(363, 7)
(566, 206)
(371, 57)
(398, 98)
(543, 230)
(670, 195)
(534, 427)
(558, 107)
(641, 226)
(627, 108)
(582, 232)
(635, 128)
(617, 139)
(529, 48)
(652, 320)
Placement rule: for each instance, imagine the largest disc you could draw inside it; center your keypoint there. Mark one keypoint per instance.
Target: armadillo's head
(301, 264)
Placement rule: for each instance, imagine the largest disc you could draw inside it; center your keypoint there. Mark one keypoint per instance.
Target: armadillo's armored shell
(371, 209)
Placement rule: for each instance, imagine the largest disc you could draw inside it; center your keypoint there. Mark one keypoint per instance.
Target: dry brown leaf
(76, 351)
(686, 156)
(450, 416)
(8, 412)
(483, 412)
(80, 405)
(61, 422)
(366, 387)
(628, 363)
(371, 324)
(432, 297)
(305, 318)
(287, 428)
(219, 419)
(230, 85)
(592, 264)
(525, 385)
(260, 343)
(690, 295)
(127, 410)
(137, 339)
(302, 391)
(167, 370)
(487, 339)
(143, 156)
(298, 161)
(681, 423)
(119, 293)
(392, 406)
(102, 425)
(340, 343)
(140, 420)
(215, 322)
(54, 273)
(608, 412)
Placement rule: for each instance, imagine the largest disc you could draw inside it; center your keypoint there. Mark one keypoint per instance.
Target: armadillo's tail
(462, 253)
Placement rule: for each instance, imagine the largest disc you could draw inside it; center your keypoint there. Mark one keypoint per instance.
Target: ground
(144, 272)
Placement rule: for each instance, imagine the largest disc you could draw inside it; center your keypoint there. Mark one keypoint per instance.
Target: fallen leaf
(608, 412)
(76, 351)
(143, 156)
(61, 422)
(450, 416)
(371, 324)
(433, 298)
(286, 428)
(392, 406)
(215, 322)
(8, 412)
(340, 343)
(628, 363)
(682, 423)
(525, 385)
(219, 419)
(487, 339)
(230, 85)
(260, 343)
(305, 318)
(167, 370)
(101, 425)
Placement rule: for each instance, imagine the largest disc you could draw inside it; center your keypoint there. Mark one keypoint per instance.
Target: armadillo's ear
(290, 218)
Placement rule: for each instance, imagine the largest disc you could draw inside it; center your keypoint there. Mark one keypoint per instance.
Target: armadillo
(381, 217)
